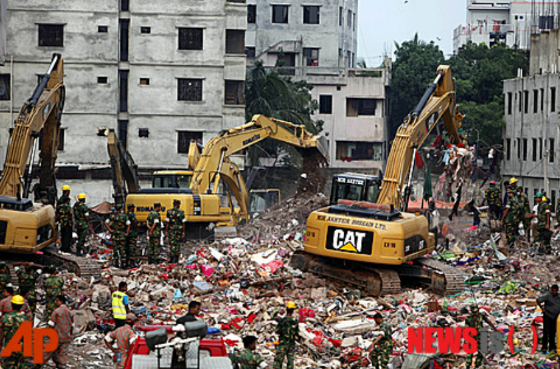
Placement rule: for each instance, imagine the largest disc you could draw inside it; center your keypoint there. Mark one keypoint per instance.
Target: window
(518, 148)
(353, 21)
(553, 201)
(235, 41)
(51, 35)
(190, 39)
(145, 29)
(356, 107)
(524, 149)
(355, 150)
(280, 13)
(189, 89)
(185, 138)
(123, 90)
(102, 80)
(123, 131)
(526, 101)
(5, 86)
(520, 101)
(553, 99)
(340, 16)
(124, 26)
(509, 101)
(250, 51)
(311, 14)
(311, 56)
(102, 29)
(508, 148)
(551, 150)
(124, 5)
(535, 101)
(234, 93)
(542, 99)
(534, 149)
(144, 81)
(143, 132)
(251, 14)
(540, 148)
(349, 19)
(325, 104)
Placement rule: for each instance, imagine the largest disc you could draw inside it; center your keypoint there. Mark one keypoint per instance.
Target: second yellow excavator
(374, 243)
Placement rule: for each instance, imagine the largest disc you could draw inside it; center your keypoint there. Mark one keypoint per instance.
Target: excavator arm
(124, 170)
(234, 140)
(438, 103)
(42, 111)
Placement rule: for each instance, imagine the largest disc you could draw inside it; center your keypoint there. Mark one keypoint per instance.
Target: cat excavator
(27, 227)
(366, 237)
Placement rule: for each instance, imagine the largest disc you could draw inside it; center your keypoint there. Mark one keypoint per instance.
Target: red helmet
(493, 182)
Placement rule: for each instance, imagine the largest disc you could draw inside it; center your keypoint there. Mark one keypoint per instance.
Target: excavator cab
(262, 200)
(355, 187)
(172, 179)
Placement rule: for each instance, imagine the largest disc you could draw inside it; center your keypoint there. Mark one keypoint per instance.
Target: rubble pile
(244, 285)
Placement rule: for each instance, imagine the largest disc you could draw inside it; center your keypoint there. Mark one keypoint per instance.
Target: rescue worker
(506, 189)
(194, 310)
(525, 214)
(513, 183)
(288, 330)
(132, 237)
(550, 306)
(248, 358)
(6, 302)
(382, 347)
(543, 232)
(119, 226)
(493, 197)
(65, 193)
(509, 218)
(27, 278)
(81, 218)
(475, 320)
(5, 277)
(175, 230)
(10, 325)
(64, 218)
(53, 287)
(44, 197)
(154, 234)
(120, 304)
(61, 320)
(26, 309)
(125, 337)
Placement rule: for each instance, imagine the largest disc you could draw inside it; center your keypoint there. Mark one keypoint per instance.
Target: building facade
(511, 22)
(317, 42)
(160, 73)
(531, 134)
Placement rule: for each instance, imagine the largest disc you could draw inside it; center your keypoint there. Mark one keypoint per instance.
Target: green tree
(414, 68)
(271, 93)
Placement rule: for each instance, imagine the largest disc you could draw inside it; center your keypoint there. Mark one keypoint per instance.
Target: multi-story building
(531, 135)
(161, 73)
(317, 42)
(511, 22)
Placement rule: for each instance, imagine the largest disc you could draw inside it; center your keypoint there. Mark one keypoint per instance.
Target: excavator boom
(124, 170)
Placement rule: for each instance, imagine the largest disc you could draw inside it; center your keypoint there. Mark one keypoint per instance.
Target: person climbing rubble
(382, 347)
(543, 230)
(62, 321)
(510, 218)
(120, 305)
(124, 337)
(288, 331)
(550, 306)
(476, 320)
(493, 197)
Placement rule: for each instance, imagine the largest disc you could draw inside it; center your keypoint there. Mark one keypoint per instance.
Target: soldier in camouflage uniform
(5, 277)
(81, 217)
(119, 226)
(475, 320)
(154, 234)
(10, 325)
(27, 279)
(248, 359)
(64, 218)
(132, 237)
(53, 287)
(543, 232)
(510, 219)
(382, 347)
(525, 213)
(175, 229)
(288, 330)
(493, 197)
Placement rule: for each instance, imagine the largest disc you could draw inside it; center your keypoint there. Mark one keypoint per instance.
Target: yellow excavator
(27, 227)
(206, 200)
(366, 237)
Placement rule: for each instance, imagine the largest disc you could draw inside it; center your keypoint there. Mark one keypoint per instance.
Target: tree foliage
(273, 94)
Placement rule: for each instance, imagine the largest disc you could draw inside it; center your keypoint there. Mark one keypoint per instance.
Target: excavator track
(441, 278)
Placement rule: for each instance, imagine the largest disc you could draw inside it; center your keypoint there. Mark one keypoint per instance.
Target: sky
(382, 22)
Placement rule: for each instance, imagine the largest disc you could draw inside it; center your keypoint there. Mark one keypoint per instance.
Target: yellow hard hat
(17, 299)
(65, 188)
(82, 196)
(291, 305)
(544, 198)
(513, 180)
